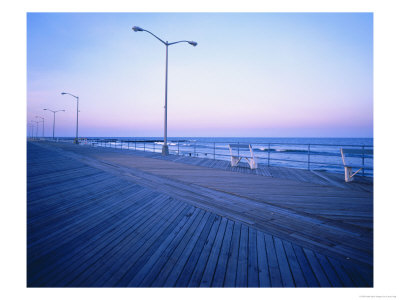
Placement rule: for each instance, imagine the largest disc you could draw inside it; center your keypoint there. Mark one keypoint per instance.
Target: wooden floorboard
(96, 225)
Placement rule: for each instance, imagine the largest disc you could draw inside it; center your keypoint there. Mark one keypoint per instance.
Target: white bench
(348, 170)
(235, 158)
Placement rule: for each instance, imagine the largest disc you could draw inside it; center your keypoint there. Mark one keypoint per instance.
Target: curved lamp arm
(63, 93)
(194, 44)
(137, 28)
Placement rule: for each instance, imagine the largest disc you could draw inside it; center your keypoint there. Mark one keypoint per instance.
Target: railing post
(144, 146)
(178, 147)
(135, 145)
(194, 154)
(363, 159)
(214, 150)
(154, 147)
(238, 149)
(309, 157)
(269, 152)
(129, 144)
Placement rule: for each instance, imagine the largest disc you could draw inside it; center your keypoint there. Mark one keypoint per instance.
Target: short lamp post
(42, 125)
(30, 131)
(37, 126)
(77, 111)
(54, 117)
(136, 29)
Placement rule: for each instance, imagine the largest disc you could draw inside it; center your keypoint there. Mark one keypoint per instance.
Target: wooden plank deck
(104, 217)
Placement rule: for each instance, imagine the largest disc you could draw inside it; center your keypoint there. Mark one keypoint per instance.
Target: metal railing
(304, 156)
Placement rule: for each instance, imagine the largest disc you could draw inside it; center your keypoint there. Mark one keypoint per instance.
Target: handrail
(272, 153)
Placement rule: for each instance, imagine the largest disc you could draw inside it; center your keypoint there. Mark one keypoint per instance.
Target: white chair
(348, 170)
(235, 158)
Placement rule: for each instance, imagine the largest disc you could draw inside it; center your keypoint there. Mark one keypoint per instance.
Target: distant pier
(104, 217)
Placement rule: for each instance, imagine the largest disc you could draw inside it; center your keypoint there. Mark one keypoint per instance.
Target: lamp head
(44, 108)
(194, 44)
(137, 28)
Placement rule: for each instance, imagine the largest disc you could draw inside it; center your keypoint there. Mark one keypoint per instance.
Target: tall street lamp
(54, 117)
(42, 124)
(77, 110)
(136, 29)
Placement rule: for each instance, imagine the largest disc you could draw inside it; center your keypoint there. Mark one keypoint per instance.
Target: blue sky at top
(252, 74)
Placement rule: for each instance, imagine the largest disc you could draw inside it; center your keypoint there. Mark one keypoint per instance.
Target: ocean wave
(162, 143)
(263, 149)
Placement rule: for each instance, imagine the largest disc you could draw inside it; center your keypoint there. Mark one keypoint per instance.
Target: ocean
(322, 154)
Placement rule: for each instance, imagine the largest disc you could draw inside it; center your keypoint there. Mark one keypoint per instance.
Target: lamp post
(77, 110)
(136, 29)
(42, 124)
(54, 117)
(37, 126)
(30, 130)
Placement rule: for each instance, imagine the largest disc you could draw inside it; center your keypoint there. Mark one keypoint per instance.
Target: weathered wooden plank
(185, 275)
(178, 259)
(122, 246)
(219, 275)
(133, 248)
(208, 274)
(67, 214)
(146, 247)
(241, 273)
(305, 267)
(253, 267)
(294, 265)
(344, 278)
(316, 267)
(329, 271)
(197, 274)
(264, 276)
(147, 273)
(85, 249)
(178, 267)
(274, 271)
(284, 268)
(62, 235)
(230, 277)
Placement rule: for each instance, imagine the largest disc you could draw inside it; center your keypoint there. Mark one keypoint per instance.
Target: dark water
(305, 153)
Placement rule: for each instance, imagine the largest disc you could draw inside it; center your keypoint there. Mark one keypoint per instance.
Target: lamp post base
(165, 150)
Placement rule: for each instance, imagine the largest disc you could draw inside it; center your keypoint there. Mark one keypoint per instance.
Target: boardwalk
(109, 217)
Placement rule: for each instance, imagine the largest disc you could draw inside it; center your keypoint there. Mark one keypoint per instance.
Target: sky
(251, 74)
